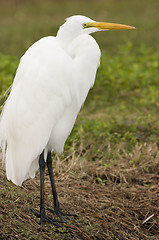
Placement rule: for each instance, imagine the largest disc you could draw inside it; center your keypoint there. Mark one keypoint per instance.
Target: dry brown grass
(119, 201)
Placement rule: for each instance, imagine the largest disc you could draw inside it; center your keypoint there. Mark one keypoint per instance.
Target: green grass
(122, 106)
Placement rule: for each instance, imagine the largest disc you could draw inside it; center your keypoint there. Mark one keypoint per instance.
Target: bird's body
(51, 84)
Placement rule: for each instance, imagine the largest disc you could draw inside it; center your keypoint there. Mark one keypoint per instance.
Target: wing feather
(37, 100)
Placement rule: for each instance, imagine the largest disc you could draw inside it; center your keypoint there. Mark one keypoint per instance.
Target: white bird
(51, 84)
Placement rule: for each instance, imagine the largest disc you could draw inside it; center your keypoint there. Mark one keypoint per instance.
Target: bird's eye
(84, 25)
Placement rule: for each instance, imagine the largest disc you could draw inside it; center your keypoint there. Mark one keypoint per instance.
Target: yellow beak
(107, 26)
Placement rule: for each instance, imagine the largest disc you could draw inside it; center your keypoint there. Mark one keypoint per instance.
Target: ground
(117, 202)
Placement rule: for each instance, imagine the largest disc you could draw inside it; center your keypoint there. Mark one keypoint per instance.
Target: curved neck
(65, 37)
(67, 33)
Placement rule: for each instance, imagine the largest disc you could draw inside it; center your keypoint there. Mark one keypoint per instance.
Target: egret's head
(78, 24)
(88, 25)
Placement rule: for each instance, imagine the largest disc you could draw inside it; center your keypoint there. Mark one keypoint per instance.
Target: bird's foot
(59, 213)
(44, 218)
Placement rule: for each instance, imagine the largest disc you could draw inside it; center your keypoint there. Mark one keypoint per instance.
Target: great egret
(50, 86)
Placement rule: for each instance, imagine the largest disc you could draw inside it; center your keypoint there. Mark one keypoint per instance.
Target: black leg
(57, 209)
(50, 169)
(42, 173)
(42, 215)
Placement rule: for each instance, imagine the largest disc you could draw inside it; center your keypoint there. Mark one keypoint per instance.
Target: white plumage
(50, 86)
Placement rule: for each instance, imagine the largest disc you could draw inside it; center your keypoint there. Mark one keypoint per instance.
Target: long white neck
(66, 35)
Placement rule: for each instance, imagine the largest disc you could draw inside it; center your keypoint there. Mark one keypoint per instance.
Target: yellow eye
(84, 25)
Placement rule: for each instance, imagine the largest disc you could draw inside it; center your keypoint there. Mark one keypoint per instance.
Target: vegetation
(108, 172)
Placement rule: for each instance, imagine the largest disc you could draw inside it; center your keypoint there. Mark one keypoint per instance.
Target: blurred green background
(23, 22)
